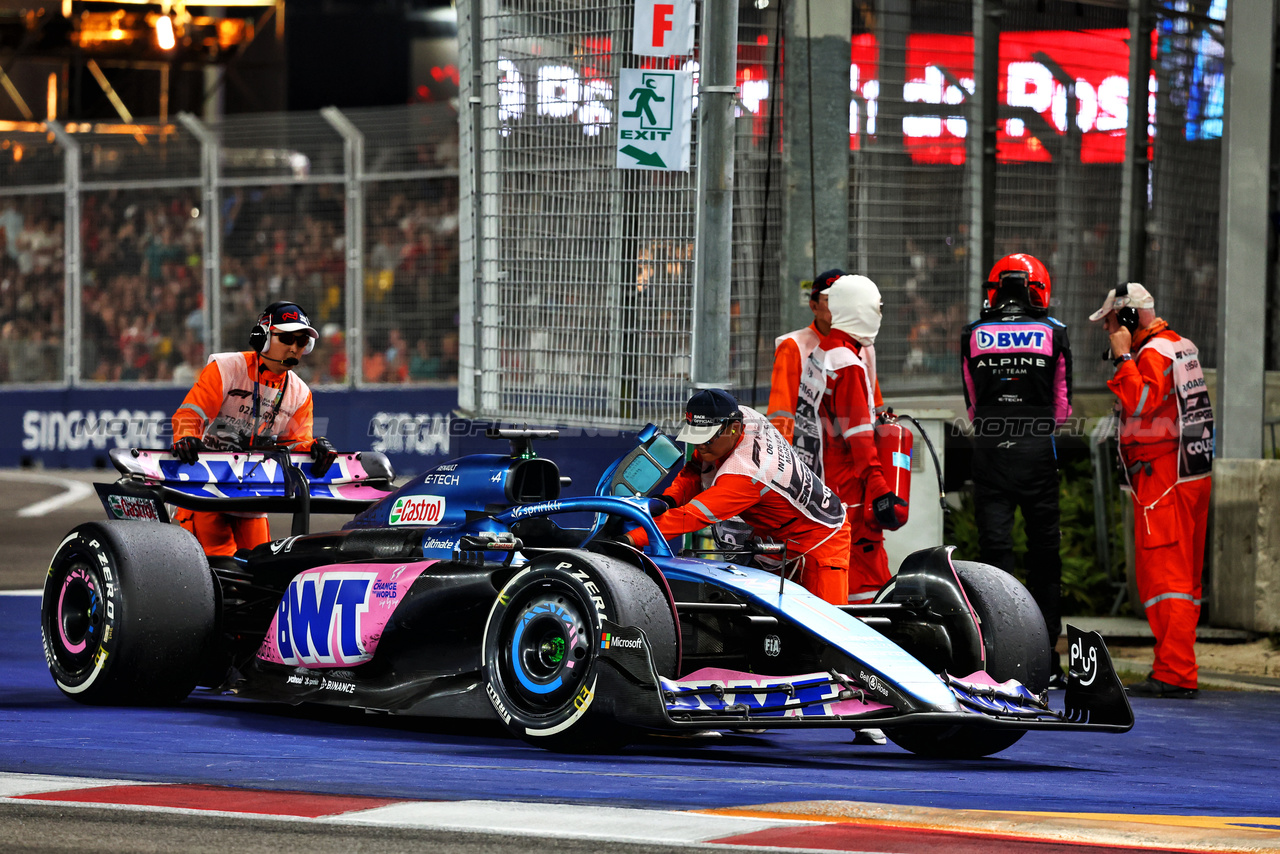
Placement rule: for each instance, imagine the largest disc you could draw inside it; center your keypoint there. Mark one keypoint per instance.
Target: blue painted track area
(1212, 756)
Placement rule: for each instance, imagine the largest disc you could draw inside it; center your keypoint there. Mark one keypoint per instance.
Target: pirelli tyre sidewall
(542, 647)
(128, 613)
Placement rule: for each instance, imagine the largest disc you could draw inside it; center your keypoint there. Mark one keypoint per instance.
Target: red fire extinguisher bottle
(894, 442)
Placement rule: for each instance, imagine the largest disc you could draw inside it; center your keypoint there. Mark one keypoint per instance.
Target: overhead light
(164, 33)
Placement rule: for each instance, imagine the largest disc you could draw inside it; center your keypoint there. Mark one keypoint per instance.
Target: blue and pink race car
(468, 593)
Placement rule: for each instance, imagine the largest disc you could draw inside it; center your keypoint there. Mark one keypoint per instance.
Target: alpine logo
(283, 545)
(609, 641)
(319, 620)
(425, 510)
(127, 507)
(1015, 337)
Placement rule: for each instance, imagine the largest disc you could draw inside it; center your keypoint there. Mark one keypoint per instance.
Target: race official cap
(824, 281)
(705, 413)
(287, 317)
(1128, 295)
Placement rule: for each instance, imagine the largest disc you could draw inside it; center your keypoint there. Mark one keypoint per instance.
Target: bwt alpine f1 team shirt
(1017, 377)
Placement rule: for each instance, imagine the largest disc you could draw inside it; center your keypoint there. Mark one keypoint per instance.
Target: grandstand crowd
(142, 278)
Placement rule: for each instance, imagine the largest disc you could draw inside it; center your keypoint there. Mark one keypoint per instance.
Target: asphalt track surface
(1197, 775)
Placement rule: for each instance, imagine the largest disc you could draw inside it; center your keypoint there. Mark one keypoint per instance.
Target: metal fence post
(714, 255)
(470, 83)
(1133, 183)
(353, 172)
(1245, 226)
(981, 154)
(815, 149)
(211, 230)
(72, 293)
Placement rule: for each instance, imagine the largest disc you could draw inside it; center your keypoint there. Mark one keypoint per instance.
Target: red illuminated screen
(939, 71)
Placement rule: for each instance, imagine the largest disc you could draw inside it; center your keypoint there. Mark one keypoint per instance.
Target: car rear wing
(243, 481)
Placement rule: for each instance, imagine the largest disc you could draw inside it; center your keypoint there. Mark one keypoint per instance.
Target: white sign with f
(663, 28)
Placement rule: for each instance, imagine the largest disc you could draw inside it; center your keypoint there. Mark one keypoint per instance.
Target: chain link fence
(187, 231)
(577, 305)
(580, 289)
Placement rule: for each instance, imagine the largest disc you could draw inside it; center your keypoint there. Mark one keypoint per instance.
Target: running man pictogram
(643, 95)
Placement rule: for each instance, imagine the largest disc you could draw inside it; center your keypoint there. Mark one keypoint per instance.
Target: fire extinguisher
(894, 443)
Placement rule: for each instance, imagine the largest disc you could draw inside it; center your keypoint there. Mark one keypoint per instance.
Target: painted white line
(31, 592)
(564, 821)
(75, 490)
(567, 821)
(30, 784)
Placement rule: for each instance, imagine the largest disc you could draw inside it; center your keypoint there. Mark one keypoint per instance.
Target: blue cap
(705, 413)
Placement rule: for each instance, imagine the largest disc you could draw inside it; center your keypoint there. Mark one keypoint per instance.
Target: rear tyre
(128, 613)
(542, 648)
(1016, 646)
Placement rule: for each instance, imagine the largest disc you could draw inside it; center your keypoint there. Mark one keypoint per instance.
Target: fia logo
(772, 646)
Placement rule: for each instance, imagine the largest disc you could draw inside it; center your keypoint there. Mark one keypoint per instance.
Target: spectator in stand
(397, 356)
(375, 363)
(422, 364)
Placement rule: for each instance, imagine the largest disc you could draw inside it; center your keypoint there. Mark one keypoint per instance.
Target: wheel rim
(548, 648)
(76, 623)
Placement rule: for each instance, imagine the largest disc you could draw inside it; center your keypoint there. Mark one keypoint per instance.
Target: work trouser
(868, 566)
(1024, 475)
(223, 534)
(1170, 521)
(829, 583)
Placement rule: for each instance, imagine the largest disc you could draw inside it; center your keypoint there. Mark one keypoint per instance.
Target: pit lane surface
(1212, 758)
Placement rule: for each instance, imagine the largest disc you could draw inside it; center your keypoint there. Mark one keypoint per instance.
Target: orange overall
(789, 353)
(287, 415)
(823, 549)
(1170, 515)
(850, 463)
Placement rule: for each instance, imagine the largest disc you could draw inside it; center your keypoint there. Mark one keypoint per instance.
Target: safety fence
(188, 230)
(578, 277)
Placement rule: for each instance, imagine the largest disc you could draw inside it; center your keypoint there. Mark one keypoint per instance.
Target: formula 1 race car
(459, 595)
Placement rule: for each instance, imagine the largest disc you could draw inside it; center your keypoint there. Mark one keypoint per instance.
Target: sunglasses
(717, 435)
(288, 339)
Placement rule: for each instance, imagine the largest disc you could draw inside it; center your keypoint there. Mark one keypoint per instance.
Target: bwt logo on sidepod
(425, 510)
(319, 621)
(1018, 338)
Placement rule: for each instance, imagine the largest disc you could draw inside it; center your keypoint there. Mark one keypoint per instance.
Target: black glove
(323, 453)
(885, 513)
(188, 448)
(661, 504)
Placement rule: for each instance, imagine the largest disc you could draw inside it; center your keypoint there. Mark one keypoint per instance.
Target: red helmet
(1021, 279)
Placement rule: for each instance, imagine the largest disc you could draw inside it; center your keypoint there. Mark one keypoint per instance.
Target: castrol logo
(426, 510)
(128, 507)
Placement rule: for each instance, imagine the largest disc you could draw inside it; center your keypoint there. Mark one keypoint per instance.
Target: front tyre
(542, 648)
(128, 613)
(1016, 646)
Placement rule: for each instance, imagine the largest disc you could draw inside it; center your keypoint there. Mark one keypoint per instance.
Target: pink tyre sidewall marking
(73, 648)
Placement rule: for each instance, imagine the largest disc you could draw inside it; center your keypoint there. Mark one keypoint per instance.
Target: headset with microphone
(260, 335)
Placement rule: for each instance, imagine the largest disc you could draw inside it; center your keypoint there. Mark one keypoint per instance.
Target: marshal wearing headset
(250, 401)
